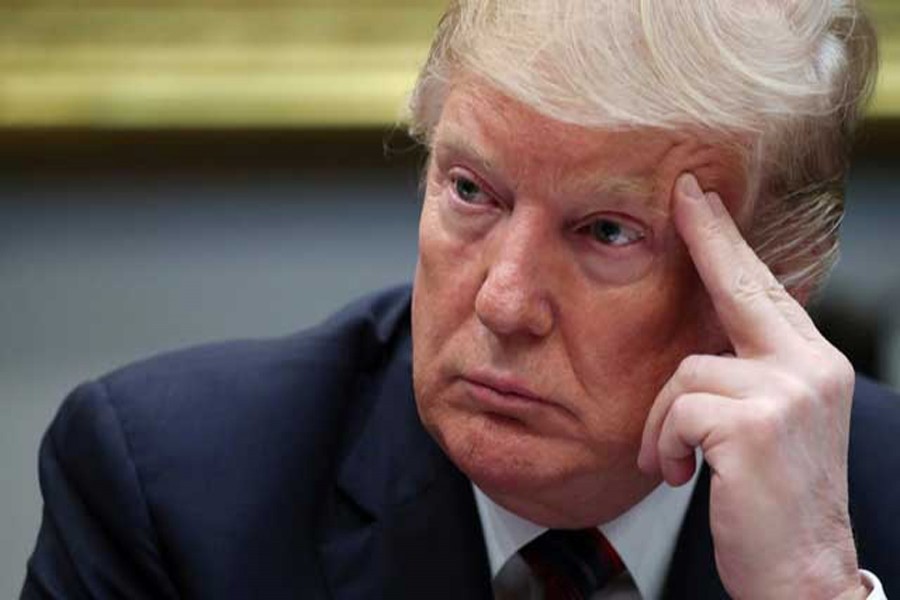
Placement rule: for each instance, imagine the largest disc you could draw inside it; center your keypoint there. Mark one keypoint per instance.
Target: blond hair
(791, 75)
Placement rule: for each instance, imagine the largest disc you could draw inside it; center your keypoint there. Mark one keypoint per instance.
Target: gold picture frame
(241, 63)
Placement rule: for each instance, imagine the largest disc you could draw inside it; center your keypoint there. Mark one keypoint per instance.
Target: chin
(552, 481)
(503, 457)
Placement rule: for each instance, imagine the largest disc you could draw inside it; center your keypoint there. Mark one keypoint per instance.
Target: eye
(468, 191)
(614, 233)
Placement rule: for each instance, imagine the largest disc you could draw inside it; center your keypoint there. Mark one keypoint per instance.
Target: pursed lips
(503, 390)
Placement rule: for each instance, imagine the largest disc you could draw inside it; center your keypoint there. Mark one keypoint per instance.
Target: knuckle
(678, 433)
(767, 423)
(679, 412)
(802, 402)
(712, 230)
(782, 299)
(831, 374)
(844, 371)
(676, 411)
(750, 286)
(746, 288)
(680, 408)
(796, 389)
(836, 378)
(773, 285)
(690, 370)
(795, 397)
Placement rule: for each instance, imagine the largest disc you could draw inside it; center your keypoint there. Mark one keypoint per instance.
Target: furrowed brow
(619, 188)
(642, 188)
(447, 142)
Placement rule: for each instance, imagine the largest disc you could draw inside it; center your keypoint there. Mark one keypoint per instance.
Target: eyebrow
(622, 186)
(455, 144)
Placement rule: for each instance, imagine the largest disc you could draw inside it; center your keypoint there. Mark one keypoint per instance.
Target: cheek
(446, 273)
(635, 340)
(446, 282)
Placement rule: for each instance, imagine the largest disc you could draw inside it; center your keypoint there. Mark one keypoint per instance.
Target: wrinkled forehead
(500, 133)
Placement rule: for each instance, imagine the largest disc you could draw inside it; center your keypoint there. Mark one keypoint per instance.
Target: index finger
(739, 284)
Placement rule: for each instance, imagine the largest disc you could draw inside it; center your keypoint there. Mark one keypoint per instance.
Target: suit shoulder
(876, 409)
(208, 451)
(246, 386)
(874, 428)
(874, 485)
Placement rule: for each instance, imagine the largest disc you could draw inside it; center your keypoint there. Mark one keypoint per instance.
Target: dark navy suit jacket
(298, 468)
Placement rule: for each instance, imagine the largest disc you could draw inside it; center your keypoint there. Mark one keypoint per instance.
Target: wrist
(854, 587)
(834, 574)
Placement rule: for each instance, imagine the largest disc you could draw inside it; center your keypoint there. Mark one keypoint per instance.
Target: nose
(514, 296)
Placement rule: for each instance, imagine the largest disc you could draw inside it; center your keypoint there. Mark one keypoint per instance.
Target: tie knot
(572, 563)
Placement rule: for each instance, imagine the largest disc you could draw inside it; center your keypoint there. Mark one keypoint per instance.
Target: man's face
(552, 300)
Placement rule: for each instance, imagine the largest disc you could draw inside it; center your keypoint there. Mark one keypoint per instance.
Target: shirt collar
(644, 535)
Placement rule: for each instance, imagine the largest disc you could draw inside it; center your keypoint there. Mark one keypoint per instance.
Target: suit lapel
(693, 574)
(402, 521)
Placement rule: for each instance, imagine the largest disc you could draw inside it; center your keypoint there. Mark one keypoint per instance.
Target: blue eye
(467, 190)
(613, 233)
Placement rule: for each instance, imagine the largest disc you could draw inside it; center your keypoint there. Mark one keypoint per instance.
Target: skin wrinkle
(702, 156)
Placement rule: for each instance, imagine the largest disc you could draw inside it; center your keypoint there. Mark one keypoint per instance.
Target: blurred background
(173, 172)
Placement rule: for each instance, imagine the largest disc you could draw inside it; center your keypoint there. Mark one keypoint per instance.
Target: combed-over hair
(793, 76)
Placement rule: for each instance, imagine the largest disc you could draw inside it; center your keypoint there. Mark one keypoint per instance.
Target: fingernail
(689, 186)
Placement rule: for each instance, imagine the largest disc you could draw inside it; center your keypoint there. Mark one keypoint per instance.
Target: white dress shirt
(644, 537)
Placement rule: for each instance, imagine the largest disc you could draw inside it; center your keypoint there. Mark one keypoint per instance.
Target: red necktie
(572, 563)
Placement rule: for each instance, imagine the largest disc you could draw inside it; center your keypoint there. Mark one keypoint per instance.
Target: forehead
(501, 134)
(475, 115)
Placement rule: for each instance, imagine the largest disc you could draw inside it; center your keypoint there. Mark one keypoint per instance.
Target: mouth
(503, 394)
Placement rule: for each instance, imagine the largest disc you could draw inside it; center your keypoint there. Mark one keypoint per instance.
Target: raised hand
(772, 421)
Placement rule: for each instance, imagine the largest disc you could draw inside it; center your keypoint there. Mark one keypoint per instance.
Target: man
(586, 320)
